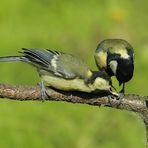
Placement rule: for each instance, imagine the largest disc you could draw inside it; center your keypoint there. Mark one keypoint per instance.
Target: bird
(116, 57)
(63, 71)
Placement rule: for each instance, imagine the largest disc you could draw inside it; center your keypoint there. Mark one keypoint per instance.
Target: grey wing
(58, 63)
(70, 67)
(39, 58)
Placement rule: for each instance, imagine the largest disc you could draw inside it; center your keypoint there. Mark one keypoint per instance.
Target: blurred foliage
(75, 27)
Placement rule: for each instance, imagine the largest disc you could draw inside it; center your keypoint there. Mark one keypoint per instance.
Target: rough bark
(134, 103)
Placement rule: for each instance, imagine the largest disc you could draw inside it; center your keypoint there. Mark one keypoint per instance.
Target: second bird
(116, 57)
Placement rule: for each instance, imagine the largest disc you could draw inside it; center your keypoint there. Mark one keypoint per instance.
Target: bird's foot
(118, 96)
(44, 95)
(110, 97)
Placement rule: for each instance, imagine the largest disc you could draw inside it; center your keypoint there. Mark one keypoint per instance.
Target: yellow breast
(66, 85)
(75, 84)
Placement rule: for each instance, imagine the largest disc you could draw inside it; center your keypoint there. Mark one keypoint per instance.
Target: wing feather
(60, 64)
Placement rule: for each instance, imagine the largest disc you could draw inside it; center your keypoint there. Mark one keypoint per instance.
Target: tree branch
(132, 102)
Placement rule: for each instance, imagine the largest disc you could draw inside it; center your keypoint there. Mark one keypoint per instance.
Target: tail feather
(40, 58)
(36, 55)
(12, 59)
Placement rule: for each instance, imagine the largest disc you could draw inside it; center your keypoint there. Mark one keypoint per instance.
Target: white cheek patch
(113, 65)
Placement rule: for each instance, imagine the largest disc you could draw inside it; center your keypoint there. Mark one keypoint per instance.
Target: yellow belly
(66, 85)
(75, 84)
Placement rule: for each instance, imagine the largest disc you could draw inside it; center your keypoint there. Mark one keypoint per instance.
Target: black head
(119, 58)
(120, 67)
(125, 69)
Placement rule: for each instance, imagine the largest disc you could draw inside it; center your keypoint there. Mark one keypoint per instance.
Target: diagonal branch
(132, 102)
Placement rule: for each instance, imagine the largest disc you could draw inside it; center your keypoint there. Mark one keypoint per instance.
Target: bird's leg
(112, 95)
(123, 88)
(119, 97)
(44, 94)
(121, 94)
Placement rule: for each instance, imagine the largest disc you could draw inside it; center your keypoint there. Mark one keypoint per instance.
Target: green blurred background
(75, 27)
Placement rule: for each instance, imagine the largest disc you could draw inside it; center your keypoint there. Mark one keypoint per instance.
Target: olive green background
(74, 27)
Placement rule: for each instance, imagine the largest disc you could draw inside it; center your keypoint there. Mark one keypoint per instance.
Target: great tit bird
(116, 57)
(63, 71)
